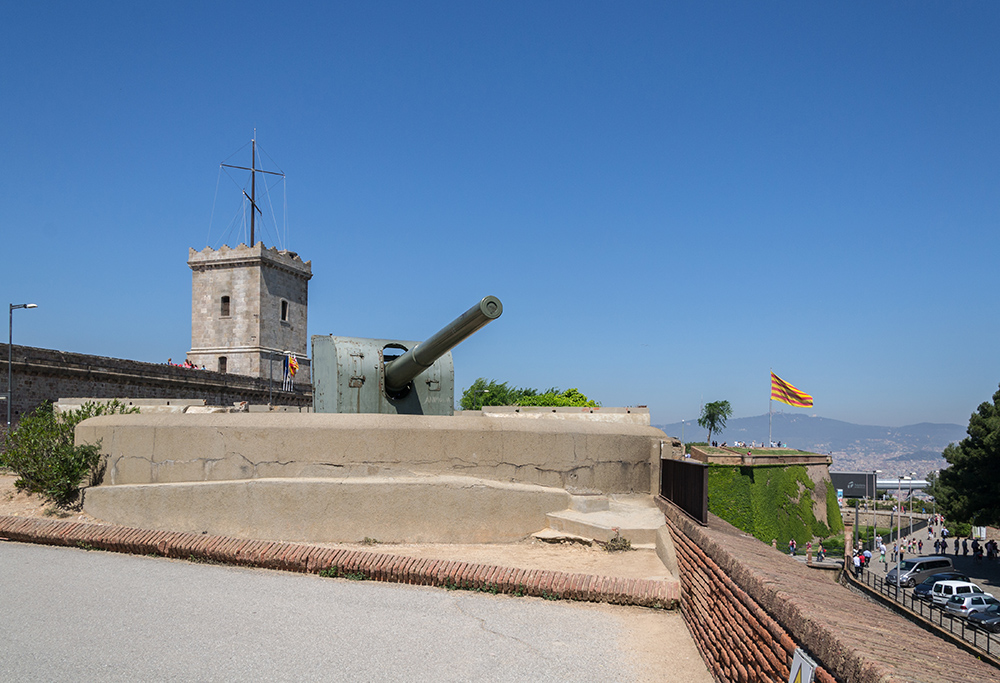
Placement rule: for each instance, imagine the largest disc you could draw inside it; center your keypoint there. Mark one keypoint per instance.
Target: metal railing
(928, 611)
(685, 484)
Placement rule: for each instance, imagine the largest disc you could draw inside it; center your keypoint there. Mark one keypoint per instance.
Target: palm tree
(713, 417)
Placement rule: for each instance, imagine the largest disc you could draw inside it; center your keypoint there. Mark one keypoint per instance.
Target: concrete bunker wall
(148, 449)
(312, 476)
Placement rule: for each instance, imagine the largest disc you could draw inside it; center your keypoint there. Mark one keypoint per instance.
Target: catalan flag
(288, 372)
(786, 393)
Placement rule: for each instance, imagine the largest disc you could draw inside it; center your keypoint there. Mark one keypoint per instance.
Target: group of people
(793, 547)
(978, 549)
(743, 444)
(863, 559)
(186, 364)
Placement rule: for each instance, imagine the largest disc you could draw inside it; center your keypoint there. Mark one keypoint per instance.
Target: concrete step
(589, 502)
(635, 518)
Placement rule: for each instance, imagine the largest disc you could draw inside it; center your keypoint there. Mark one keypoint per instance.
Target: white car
(943, 591)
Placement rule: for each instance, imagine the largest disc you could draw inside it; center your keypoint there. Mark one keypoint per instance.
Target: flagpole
(770, 404)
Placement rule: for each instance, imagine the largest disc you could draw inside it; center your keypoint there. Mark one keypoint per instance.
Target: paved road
(69, 614)
(986, 573)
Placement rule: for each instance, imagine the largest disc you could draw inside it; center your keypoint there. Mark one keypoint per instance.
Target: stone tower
(248, 309)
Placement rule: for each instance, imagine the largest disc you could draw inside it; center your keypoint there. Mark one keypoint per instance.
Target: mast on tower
(252, 197)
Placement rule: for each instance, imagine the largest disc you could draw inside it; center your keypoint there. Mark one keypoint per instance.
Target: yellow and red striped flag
(786, 393)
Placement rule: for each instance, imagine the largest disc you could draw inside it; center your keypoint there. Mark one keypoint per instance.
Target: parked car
(916, 570)
(987, 619)
(964, 605)
(943, 591)
(923, 590)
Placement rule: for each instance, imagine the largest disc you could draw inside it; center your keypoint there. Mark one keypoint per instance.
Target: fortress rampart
(46, 375)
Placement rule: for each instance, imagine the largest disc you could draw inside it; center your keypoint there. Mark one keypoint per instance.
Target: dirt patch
(16, 503)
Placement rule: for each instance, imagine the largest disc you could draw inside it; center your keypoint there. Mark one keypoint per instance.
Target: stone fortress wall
(46, 375)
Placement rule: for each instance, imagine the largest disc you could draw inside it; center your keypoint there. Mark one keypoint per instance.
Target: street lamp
(10, 357)
(875, 474)
(910, 496)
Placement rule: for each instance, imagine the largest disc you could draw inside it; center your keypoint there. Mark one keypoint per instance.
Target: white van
(945, 590)
(919, 568)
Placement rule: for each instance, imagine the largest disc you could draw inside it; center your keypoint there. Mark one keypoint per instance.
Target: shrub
(41, 452)
(834, 545)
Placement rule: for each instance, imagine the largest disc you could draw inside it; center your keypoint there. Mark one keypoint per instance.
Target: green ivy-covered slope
(772, 502)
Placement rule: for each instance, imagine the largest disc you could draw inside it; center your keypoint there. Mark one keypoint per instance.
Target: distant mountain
(853, 447)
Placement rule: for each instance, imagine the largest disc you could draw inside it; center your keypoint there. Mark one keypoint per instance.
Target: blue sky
(670, 199)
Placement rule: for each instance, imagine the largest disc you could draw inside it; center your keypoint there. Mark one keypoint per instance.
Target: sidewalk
(985, 573)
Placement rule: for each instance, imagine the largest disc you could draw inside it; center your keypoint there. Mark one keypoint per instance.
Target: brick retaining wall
(749, 606)
(46, 375)
(373, 566)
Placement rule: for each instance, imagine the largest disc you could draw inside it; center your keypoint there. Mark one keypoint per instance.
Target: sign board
(803, 668)
(855, 484)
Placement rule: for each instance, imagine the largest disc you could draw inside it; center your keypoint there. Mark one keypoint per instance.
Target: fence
(988, 643)
(685, 484)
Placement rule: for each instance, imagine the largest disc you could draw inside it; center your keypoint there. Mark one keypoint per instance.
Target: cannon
(356, 375)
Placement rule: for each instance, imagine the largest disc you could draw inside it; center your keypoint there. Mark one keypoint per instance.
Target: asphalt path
(69, 614)
(985, 573)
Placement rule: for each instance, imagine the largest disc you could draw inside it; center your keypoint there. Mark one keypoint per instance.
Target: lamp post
(899, 526)
(910, 496)
(874, 506)
(899, 540)
(10, 357)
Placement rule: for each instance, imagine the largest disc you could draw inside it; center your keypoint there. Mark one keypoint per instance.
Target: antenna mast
(253, 183)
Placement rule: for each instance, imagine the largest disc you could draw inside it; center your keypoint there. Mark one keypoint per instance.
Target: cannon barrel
(402, 370)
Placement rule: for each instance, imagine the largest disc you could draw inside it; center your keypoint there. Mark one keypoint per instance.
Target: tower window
(222, 363)
(224, 308)
(284, 311)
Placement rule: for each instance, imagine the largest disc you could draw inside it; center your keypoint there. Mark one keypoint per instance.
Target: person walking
(791, 547)
(956, 546)
(857, 565)
(965, 546)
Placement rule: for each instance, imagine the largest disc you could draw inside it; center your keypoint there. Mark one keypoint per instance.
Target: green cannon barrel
(402, 370)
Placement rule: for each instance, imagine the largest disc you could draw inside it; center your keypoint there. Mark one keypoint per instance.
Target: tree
(553, 397)
(966, 491)
(41, 451)
(714, 416)
(492, 393)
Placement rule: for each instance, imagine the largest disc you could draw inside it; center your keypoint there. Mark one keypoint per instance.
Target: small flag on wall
(291, 365)
(786, 393)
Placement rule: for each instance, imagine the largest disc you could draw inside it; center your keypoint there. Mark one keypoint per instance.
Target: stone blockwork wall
(45, 375)
(163, 449)
(749, 606)
(249, 330)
